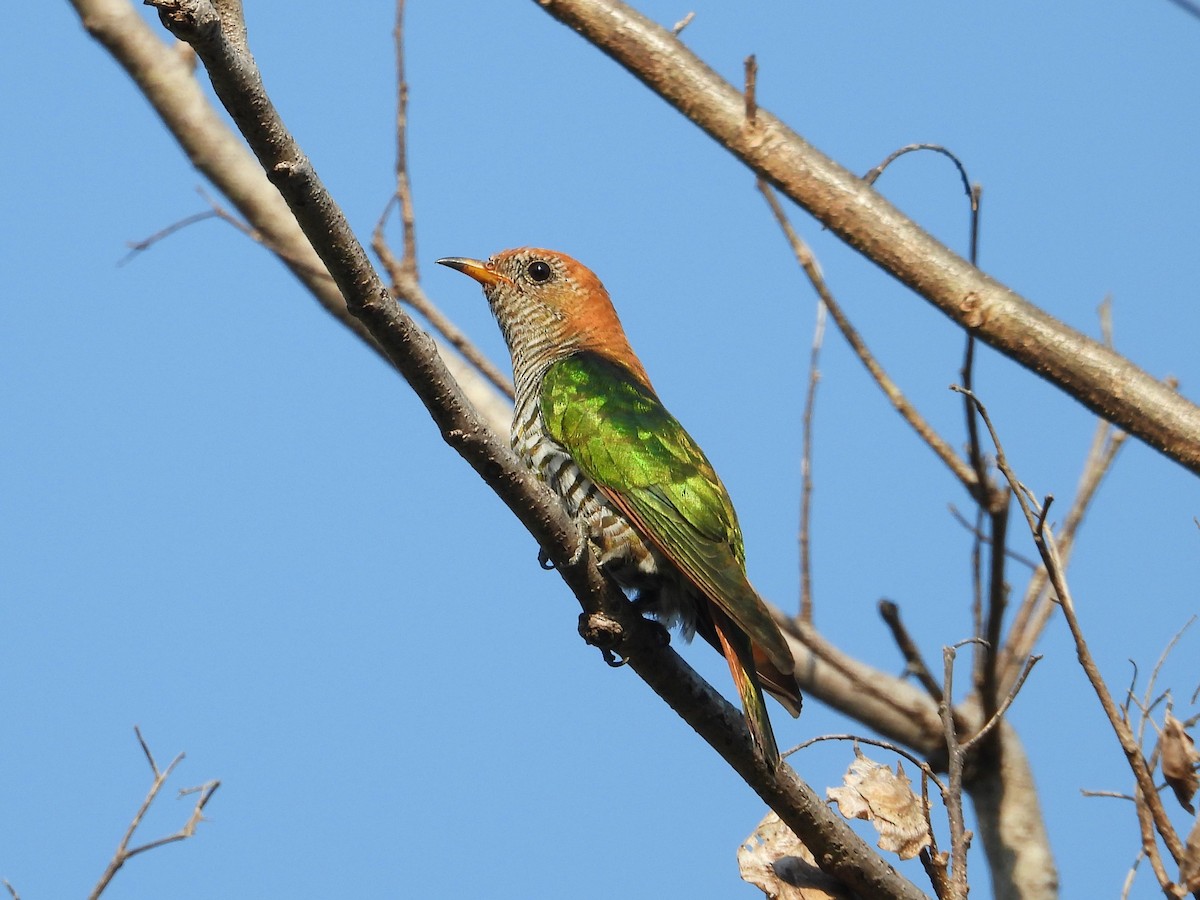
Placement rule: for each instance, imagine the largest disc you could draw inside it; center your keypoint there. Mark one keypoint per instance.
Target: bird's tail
(738, 651)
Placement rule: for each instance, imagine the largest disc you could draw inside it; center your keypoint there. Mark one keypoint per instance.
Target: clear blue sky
(224, 520)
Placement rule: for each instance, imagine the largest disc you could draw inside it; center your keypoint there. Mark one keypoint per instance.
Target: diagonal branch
(901, 403)
(1093, 374)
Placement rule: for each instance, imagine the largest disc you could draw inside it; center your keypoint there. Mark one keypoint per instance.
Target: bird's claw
(581, 547)
(612, 660)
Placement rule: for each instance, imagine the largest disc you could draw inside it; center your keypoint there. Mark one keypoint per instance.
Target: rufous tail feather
(738, 652)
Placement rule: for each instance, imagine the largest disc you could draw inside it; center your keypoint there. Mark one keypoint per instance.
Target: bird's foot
(611, 658)
(605, 634)
(581, 547)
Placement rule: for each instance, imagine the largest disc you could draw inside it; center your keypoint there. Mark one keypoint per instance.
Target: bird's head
(547, 299)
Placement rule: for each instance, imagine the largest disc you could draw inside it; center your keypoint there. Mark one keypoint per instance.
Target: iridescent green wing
(639, 456)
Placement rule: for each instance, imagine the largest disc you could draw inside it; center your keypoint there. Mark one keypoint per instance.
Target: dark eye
(539, 271)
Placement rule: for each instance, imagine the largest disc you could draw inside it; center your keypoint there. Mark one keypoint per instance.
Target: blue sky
(227, 522)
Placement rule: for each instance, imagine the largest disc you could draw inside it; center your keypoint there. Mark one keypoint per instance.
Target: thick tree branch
(1093, 374)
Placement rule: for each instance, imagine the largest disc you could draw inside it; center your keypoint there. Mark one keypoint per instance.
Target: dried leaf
(1179, 758)
(886, 799)
(1189, 866)
(774, 860)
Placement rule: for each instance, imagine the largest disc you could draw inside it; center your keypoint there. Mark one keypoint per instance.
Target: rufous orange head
(548, 305)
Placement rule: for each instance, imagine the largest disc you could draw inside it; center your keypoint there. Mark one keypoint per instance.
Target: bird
(588, 422)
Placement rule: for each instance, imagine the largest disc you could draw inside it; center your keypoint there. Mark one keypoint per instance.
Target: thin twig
(997, 603)
(977, 532)
(1115, 795)
(124, 852)
(1162, 658)
(12, 891)
(806, 480)
(751, 88)
(217, 211)
(914, 664)
(923, 429)
(872, 176)
(873, 742)
(981, 488)
(1037, 606)
(683, 23)
(978, 651)
(991, 723)
(1127, 885)
(403, 272)
(960, 838)
(1145, 820)
(137, 247)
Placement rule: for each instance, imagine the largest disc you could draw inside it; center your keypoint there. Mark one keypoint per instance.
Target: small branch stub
(602, 632)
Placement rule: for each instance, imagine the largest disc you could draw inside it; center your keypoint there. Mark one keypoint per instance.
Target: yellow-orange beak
(474, 268)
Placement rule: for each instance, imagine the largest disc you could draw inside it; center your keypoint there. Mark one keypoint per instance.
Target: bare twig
(960, 838)
(914, 664)
(806, 481)
(751, 70)
(1127, 885)
(1145, 820)
(403, 272)
(299, 263)
(12, 891)
(124, 852)
(872, 176)
(924, 430)
(136, 247)
(683, 23)
(1115, 795)
(991, 723)
(977, 532)
(1162, 658)
(921, 764)
(997, 503)
(991, 501)
(1038, 604)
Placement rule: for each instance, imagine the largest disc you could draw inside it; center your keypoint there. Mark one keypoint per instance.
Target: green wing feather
(639, 456)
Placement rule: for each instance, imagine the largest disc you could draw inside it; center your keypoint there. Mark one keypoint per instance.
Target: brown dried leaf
(886, 799)
(774, 860)
(1179, 758)
(1189, 867)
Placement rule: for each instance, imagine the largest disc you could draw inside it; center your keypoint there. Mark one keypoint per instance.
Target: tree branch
(124, 852)
(1093, 374)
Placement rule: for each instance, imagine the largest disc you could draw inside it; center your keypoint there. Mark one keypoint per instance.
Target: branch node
(601, 631)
